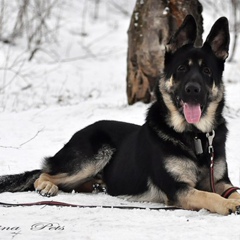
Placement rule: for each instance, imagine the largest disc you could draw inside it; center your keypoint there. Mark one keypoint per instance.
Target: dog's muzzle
(191, 106)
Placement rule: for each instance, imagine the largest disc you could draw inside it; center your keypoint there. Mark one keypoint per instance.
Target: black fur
(158, 161)
(19, 182)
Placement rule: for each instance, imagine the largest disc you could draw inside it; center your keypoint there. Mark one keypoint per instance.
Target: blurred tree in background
(152, 24)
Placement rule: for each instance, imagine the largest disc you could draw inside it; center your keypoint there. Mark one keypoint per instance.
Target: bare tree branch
(24, 143)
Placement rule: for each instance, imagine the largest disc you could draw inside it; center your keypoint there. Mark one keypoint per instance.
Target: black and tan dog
(177, 157)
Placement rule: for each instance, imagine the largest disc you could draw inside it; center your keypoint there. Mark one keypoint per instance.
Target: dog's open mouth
(192, 112)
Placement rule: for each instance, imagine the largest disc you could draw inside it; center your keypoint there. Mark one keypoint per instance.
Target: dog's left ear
(219, 38)
(186, 34)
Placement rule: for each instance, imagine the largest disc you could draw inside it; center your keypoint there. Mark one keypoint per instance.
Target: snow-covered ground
(55, 95)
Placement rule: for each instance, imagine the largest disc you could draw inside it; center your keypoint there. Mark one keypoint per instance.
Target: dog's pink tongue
(192, 113)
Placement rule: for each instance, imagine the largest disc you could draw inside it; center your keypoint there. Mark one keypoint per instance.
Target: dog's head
(192, 87)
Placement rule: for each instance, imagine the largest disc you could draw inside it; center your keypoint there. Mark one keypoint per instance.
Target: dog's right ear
(186, 34)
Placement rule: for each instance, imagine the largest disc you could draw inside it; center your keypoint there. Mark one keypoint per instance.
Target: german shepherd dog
(176, 157)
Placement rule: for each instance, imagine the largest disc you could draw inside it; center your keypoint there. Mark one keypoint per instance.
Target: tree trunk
(152, 24)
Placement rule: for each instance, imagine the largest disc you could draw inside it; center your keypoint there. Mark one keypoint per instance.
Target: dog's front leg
(234, 195)
(193, 199)
(227, 190)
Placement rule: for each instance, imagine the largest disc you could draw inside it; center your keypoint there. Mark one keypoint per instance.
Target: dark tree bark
(152, 24)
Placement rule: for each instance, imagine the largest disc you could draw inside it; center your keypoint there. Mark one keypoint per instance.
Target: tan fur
(196, 200)
(153, 194)
(215, 90)
(190, 62)
(220, 167)
(47, 184)
(234, 195)
(200, 62)
(176, 120)
(183, 170)
(207, 121)
(169, 84)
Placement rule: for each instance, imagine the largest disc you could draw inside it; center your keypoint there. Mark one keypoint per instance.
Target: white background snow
(79, 80)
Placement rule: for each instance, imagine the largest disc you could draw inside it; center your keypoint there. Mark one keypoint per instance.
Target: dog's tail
(19, 182)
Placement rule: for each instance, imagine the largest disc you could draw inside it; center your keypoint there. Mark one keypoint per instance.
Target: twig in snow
(22, 144)
(30, 138)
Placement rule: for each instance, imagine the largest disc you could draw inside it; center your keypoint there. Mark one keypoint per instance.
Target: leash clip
(210, 149)
(210, 136)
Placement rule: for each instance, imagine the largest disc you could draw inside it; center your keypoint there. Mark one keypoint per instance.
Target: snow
(81, 82)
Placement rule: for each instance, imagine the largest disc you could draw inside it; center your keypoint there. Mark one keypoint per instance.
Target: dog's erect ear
(186, 34)
(219, 38)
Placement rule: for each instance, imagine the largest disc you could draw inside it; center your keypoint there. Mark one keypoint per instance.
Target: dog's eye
(181, 68)
(207, 71)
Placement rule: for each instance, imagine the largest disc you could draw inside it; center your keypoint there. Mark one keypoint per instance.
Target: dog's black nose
(192, 88)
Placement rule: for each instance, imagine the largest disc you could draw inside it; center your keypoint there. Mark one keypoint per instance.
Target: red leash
(225, 194)
(63, 204)
(210, 137)
(230, 190)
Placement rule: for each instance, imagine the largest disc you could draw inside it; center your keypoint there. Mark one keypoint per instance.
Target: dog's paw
(46, 188)
(230, 206)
